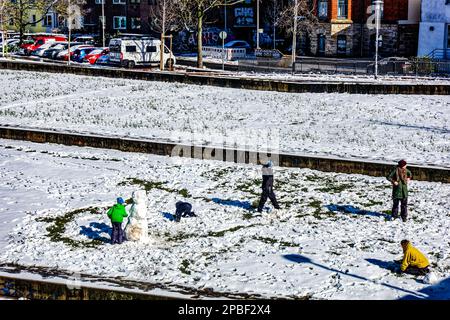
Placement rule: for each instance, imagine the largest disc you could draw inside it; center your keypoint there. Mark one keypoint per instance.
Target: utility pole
(69, 15)
(163, 29)
(225, 16)
(274, 22)
(294, 37)
(103, 21)
(257, 24)
(377, 33)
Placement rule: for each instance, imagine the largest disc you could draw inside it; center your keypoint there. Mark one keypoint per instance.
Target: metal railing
(419, 67)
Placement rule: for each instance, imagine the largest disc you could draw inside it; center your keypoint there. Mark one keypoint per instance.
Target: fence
(226, 53)
(420, 67)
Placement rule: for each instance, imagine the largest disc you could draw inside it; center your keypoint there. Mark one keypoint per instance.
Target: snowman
(137, 226)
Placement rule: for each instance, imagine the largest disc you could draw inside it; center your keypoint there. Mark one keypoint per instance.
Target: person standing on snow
(399, 177)
(267, 187)
(116, 213)
(414, 262)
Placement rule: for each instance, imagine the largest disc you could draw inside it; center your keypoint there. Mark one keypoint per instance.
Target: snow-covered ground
(333, 239)
(373, 127)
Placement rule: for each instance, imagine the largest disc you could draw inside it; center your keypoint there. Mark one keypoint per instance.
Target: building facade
(346, 28)
(434, 31)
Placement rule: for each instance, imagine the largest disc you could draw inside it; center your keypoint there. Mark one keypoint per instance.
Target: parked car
(129, 51)
(85, 40)
(80, 53)
(95, 54)
(390, 65)
(9, 45)
(239, 44)
(39, 52)
(103, 60)
(56, 48)
(40, 40)
(64, 54)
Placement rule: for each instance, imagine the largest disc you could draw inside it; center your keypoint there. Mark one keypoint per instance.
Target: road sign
(223, 35)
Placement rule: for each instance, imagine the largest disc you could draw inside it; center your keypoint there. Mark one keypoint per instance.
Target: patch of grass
(274, 241)
(304, 189)
(249, 186)
(247, 216)
(335, 188)
(150, 185)
(58, 227)
(372, 203)
(184, 266)
(222, 233)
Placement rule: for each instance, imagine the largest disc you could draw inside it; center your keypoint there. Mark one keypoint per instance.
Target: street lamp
(294, 37)
(377, 33)
(257, 24)
(103, 21)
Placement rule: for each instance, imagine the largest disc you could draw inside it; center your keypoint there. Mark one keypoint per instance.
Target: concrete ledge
(15, 287)
(233, 82)
(326, 164)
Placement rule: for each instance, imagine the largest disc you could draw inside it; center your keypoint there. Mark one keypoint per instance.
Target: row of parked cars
(56, 47)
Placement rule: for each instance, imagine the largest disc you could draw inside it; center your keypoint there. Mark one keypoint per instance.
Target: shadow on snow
(234, 203)
(354, 210)
(302, 259)
(95, 230)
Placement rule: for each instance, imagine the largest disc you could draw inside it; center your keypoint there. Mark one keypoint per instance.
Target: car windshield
(59, 46)
(97, 51)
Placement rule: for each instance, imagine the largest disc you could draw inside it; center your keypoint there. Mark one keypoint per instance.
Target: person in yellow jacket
(414, 262)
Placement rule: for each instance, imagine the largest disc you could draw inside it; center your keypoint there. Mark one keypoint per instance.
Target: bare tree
(164, 17)
(193, 13)
(18, 12)
(273, 15)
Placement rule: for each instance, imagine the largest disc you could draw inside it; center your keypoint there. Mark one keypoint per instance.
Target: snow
(304, 249)
(370, 127)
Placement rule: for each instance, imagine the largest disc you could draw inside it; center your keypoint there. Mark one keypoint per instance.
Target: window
(381, 9)
(341, 45)
(152, 2)
(150, 49)
(48, 21)
(323, 9)
(135, 1)
(33, 20)
(448, 36)
(130, 48)
(99, 1)
(135, 23)
(120, 22)
(119, 1)
(342, 9)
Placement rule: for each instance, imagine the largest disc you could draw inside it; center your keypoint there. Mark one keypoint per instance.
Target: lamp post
(377, 33)
(70, 32)
(294, 37)
(257, 24)
(225, 16)
(103, 22)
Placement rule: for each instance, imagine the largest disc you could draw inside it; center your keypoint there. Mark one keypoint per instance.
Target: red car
(39, 40)
(95, 54)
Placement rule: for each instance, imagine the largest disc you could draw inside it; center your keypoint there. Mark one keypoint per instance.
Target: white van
(132, 51)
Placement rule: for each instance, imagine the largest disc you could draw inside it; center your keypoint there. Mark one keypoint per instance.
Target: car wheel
(131, 64)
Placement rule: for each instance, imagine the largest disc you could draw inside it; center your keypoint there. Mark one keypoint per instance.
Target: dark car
(239, 44)
(80, 53)
(103, 60)
(391, 65)
(56, 48)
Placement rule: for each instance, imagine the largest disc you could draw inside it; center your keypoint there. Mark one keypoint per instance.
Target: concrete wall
(230, 82)
(326, 164)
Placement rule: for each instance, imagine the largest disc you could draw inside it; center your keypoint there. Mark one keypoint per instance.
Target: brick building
(345, 28)
(126, 16)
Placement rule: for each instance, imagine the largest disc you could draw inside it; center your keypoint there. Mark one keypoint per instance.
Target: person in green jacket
(116, 213)
(399, 177)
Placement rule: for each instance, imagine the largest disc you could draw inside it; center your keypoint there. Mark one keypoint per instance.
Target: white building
(434, 31)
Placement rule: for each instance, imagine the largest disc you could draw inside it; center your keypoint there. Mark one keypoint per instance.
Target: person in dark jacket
(399, 177)
(183, 209)
(116, 213)
(267, 187)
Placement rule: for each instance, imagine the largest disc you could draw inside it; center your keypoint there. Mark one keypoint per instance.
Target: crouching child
(183, 209)
(414, 262)
(116, 213)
